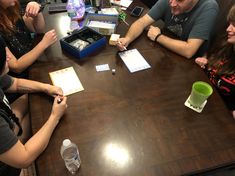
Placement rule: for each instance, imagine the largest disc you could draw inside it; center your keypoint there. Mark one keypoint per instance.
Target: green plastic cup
(200, 93)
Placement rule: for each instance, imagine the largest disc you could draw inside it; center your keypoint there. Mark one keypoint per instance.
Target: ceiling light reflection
(117, 154)
(64, 24)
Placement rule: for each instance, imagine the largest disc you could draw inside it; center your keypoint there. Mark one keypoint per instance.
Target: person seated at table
(220, 63)
(17, 150)
(17, 32)
(189, 24)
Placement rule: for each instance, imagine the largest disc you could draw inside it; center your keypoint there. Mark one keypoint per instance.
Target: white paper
(134, 60)
(109, 11)
(67, 80)
(123, 3)
(101, 24)
(126, 3)
(103, 67)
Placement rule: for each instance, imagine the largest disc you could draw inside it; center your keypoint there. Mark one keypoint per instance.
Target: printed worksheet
(67, 79)
(134, 60)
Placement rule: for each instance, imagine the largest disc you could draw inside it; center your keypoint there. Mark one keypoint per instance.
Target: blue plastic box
(83, 42)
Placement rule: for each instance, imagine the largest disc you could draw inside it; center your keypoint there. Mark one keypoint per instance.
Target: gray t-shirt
(7, 136)
(197, 23)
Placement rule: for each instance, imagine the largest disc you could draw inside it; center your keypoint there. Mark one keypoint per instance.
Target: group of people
(188, 31)
(190, 25)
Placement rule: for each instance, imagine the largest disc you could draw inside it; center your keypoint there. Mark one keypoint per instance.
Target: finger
(60, 92)
(120, 48)
(59, 99)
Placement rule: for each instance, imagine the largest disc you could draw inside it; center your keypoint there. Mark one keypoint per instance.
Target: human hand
(233, 112)
(59, 107)
(9, 54)
(153, 32)
(201, 61)
(53, 91)
(49, 38)
(122, 43)
(32, 9)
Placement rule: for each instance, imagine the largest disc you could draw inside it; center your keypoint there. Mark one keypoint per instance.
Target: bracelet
(157, 36)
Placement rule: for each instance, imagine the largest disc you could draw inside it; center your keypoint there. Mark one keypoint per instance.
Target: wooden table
(132, 124)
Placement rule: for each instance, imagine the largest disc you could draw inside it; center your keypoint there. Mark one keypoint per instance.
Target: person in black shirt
(17, 150)
(18, 30)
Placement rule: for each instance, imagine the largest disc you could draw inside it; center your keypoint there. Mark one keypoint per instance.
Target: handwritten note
(67, 79)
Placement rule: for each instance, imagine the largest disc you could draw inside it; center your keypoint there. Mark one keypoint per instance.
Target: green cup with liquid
(200, 93)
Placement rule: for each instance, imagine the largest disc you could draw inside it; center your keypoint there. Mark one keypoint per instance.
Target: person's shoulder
(210, 3)
(208, 6)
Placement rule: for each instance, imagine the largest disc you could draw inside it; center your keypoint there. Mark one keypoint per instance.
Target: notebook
(134, 60)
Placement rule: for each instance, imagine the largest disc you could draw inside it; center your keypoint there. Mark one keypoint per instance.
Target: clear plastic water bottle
(76, 9)
(70, 154)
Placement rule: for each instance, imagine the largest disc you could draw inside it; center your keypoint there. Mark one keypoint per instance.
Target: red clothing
(225, 84)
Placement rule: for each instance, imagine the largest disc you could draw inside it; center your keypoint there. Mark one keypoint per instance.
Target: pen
(122, 45)
(125, 22)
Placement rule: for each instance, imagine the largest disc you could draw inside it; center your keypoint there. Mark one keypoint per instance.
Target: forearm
(22, 63)
(28, 86)
(134, 31)
(137, 27)
(39, 23)
(38, 142)
(183, 48)
(36, 24)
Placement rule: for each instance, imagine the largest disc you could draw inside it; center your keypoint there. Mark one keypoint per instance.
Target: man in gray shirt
(191, 21)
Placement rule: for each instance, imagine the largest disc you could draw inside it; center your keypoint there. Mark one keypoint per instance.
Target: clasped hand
(32, 9)
(49, 38)
(153, 32)
(201, 61)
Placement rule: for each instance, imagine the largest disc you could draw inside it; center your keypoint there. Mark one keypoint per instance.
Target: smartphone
(137, 11)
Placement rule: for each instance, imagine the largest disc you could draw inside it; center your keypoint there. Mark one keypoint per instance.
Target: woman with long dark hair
(220, 63)
(17, 30)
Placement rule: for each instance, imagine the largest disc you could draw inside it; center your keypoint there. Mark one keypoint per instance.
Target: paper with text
(67, 79)
(134, 60)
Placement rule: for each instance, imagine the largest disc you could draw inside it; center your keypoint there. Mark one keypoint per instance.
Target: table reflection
(64, 24)
(117, 154)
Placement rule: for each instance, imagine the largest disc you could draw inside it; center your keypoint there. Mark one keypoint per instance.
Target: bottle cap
(66, 142)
